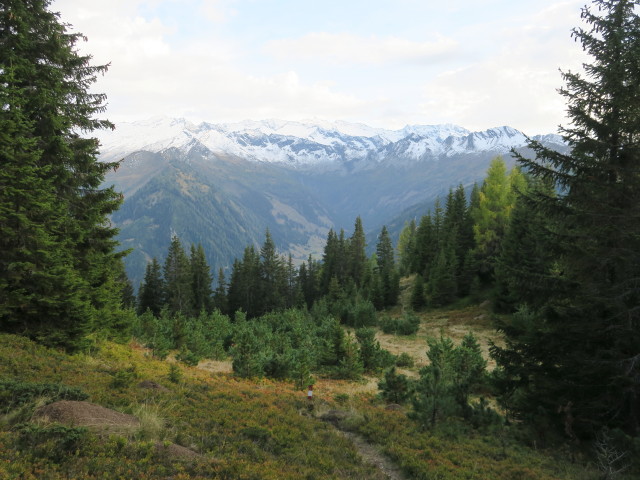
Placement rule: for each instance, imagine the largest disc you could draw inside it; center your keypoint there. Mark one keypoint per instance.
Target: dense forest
(554, 244)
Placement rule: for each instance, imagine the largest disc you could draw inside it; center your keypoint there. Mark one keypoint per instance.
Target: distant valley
(223, 185)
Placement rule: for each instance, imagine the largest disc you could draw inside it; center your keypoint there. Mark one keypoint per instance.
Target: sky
(474, 63)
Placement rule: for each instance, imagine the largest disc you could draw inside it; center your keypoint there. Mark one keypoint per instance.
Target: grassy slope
(259, 429)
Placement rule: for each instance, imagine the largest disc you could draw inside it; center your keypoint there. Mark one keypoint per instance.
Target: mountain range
(222, 185)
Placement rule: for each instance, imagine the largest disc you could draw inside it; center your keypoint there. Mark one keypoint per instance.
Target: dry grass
(216, 366)
(454, 324)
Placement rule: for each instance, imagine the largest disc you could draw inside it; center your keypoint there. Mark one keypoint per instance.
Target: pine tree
(330, 260)
(273, 277)
(220, 300)
(357, 256)
(151, 292)
(389, 279)
(200, 281)
(177, 279)
(576, 358)
(244, 285)
(526, 255)
(59, 272)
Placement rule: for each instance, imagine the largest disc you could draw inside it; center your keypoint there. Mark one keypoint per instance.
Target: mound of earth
(176, 452)
(104, 420)
(148, 384)
(85, 414)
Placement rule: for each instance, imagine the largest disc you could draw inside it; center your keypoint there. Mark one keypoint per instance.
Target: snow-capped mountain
(307, 143)
(221, 185)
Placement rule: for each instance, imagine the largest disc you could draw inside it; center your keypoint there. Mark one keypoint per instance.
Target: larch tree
(576, 358)
(59, 269)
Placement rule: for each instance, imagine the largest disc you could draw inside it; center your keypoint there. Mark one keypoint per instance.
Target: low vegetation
(261, 428)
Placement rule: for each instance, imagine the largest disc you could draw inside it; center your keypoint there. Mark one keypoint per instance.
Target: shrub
(395, 388)
(122, 379)
(51, 442)
(408, 324)
(15, 393)
(404, 360)
(175, 374)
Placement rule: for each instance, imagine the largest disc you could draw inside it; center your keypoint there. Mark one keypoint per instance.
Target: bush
(52, 442)
(188, 357)
(175, 374)
(16, 394)
(124, 378)
(395, 388)
(408, 324)
(404, 360)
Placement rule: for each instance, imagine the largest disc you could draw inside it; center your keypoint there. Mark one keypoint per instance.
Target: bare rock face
(85, 414)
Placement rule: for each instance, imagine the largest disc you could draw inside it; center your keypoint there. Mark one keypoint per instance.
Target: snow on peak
(305, 142)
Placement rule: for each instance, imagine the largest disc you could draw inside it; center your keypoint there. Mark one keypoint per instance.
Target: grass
(263, 429)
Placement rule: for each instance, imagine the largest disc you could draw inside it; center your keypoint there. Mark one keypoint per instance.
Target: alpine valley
(223, 185)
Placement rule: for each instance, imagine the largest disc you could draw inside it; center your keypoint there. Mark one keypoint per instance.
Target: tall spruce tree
(177, 279)
(389, 278)
(58, 272)
(200, 281)
(357, 255)
(273, 281)
(151, 292)
(576, 359)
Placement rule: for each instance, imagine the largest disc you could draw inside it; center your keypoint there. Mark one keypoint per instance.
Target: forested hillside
(541, 258)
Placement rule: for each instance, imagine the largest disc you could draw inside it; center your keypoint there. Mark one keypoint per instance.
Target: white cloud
(515, 85)
(216, 11)
(350, 49)
(505, 72)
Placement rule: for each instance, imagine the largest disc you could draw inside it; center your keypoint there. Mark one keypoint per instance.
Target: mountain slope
(223, 185)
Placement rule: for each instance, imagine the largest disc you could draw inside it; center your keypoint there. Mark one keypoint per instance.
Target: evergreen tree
(418, 299)
(200, 281)
(526, 256)
(244, 286)
(389, 279)
(396, 387)
(220, 300)
(330, 261)
(357, 256)
(273, 277)
(177, 279)
(59, 274)
(425, 245)
(441, 285)
(151, 292)
(575, 360)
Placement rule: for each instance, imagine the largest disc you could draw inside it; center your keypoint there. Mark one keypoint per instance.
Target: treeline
(352, 285)
(456, 250)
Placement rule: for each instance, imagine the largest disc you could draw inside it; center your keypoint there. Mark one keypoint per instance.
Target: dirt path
(373, 456)
(370, 454)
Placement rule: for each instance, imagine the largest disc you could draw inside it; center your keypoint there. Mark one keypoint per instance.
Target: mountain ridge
(305, 144)
(223, 185)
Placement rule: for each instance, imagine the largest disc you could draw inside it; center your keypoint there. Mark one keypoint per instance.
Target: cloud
(516, 84)
(346, 48)
(166, 59)
(217, 11)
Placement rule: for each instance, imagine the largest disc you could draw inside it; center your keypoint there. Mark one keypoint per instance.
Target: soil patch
(370, 454)
(85, 414)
